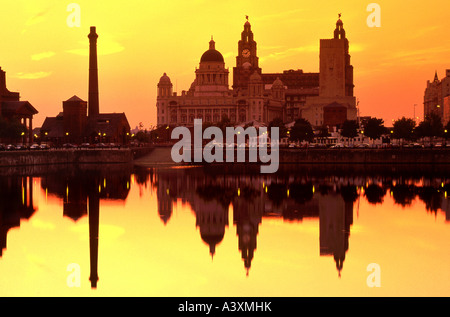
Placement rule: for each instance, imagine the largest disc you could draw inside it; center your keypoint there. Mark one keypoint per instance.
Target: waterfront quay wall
(162, 155)
(65, 156)
(366, 156)
(408, 156)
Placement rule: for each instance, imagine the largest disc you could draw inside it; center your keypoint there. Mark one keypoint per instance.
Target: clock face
(246, 53)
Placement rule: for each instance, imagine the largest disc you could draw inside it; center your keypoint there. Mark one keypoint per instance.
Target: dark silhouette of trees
(403, 129)
(374, 128)
(350, 129)
(432, 198)
(301, 193)
(374, 194)
(403, 194)
(277, 193)
(302, 131)
(430, 127)
(278, 123)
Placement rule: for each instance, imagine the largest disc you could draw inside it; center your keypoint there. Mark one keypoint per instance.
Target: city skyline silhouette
(376, 68)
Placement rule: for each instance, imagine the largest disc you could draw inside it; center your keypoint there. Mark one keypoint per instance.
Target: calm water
(205, 231)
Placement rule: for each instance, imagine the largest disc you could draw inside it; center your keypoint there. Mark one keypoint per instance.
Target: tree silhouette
(278, 123)
(374, 194)
(404, 128)
(302, 131)
(430, 127)
(374, 128)
(350, 129)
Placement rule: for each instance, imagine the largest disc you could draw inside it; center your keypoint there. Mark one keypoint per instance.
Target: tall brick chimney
(93, 102)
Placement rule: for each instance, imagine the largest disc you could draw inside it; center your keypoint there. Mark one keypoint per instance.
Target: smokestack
(93, 102)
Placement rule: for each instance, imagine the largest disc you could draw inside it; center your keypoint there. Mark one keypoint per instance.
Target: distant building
(11, 108)
(259, 97)
(436, 97)
(335, 102)
(81, 121)
(446, 110)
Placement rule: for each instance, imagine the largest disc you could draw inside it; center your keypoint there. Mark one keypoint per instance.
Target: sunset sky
(47, 61)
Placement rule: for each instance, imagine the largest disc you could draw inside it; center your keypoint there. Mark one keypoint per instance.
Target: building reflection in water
(82, 190)
(332, 197)
(16, 204)
(291, 196)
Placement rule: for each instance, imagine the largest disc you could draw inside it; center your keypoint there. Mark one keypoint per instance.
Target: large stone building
(324, 98)
(437, 97)
(13, 109)
(335, 102)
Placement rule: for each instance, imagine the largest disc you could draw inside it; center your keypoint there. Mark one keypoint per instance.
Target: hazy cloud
(39, 56)
(38, 18)
(278, 15)
(431, 55)
(36, 75)
(280, 54)
(106, 47)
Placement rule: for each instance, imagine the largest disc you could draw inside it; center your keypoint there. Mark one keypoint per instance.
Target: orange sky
(46, 60)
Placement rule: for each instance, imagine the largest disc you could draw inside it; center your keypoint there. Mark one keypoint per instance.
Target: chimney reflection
(94, 213)
(81, 190)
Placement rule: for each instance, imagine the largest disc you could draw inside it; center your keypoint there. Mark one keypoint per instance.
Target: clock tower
(246, 60)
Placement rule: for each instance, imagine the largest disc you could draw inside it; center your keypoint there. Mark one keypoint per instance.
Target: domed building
(257, 96)
(210, 97)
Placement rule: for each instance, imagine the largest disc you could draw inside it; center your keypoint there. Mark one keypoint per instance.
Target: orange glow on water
(139, 254)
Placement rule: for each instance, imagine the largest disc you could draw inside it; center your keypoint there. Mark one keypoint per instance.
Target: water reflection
(213, 194)
(289, 195)
(16, 204)
(83, 187)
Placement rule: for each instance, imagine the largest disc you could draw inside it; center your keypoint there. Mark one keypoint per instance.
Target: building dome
(277, 83)
(164, 79)
(212, 55)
